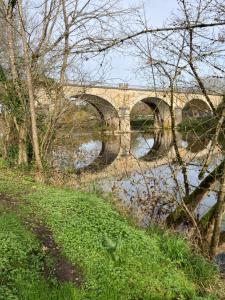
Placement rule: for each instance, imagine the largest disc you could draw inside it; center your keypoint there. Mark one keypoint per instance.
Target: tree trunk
(193, 199)
(6, 134)
(21, 129)
(30, 92)
(22, 147)
(220, 207)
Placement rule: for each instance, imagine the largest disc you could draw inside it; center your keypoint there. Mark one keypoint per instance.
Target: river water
(140, 169)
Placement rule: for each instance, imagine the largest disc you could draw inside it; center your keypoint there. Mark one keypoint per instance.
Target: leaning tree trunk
(30, 92)
(195, 197)
(220, 207)
(21, 129)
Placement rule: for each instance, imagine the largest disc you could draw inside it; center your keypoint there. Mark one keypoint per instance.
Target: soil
(62, 269)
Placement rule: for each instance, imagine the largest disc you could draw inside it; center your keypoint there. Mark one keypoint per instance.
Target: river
(139, 169)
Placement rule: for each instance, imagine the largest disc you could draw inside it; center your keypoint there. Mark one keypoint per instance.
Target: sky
(122, 66)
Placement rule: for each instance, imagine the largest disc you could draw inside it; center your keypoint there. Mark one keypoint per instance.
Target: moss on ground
(119, 261)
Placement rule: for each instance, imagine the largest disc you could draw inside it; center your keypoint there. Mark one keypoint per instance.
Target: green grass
(145, 264)
(22, 263)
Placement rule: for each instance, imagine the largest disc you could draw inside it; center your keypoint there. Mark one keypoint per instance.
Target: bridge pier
(163, 120)
(178, 115)
(124, 117)
(125, 144)
(113, 123)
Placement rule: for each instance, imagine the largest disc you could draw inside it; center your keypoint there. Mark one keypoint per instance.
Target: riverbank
(142, 124)
(206, 125)
(105, 255)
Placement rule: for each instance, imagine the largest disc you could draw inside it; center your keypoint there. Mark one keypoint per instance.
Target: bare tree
(172, 57)
(54, 34)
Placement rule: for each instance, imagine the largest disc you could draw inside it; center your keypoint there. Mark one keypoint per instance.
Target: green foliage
(177, 249)
(2, 75)
(12, 3)
(12, 153)
(142, 124)
(21, 266)
(112, 247)
(118, 260)
(13, 104)
(30, 151)
(10, 98)
(199, 125)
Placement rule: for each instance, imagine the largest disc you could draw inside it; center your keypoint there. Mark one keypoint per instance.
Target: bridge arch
(196, 108)
(107, 112)
(160, 110)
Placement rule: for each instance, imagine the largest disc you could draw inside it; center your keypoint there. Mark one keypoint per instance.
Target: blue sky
(122, 66)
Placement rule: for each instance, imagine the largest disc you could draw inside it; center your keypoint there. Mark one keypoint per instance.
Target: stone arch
(196, 108)
(160, 109)
(220, 107)
(107, 112)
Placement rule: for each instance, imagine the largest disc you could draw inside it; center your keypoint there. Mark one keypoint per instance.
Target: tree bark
(22, 147)
(220, 207)
(193, 199)
(30, 87)
(21, 128)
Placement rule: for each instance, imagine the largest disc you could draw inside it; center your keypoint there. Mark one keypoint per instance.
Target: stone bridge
(115, 104)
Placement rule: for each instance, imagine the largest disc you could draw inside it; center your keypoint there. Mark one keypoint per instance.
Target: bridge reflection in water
(112, 150)
(110, 155)
(138, 167)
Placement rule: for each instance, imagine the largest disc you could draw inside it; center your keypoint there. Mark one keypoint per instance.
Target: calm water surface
(139, 168)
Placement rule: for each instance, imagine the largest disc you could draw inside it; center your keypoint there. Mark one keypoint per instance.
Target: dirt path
(62, 269)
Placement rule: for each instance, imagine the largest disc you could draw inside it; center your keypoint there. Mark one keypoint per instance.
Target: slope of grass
(119, 261)
(198, 125)
(21, 265)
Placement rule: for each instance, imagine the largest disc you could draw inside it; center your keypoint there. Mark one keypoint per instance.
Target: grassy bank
(142, 124)
(199, 125)
(118, 260)
(22, 263)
